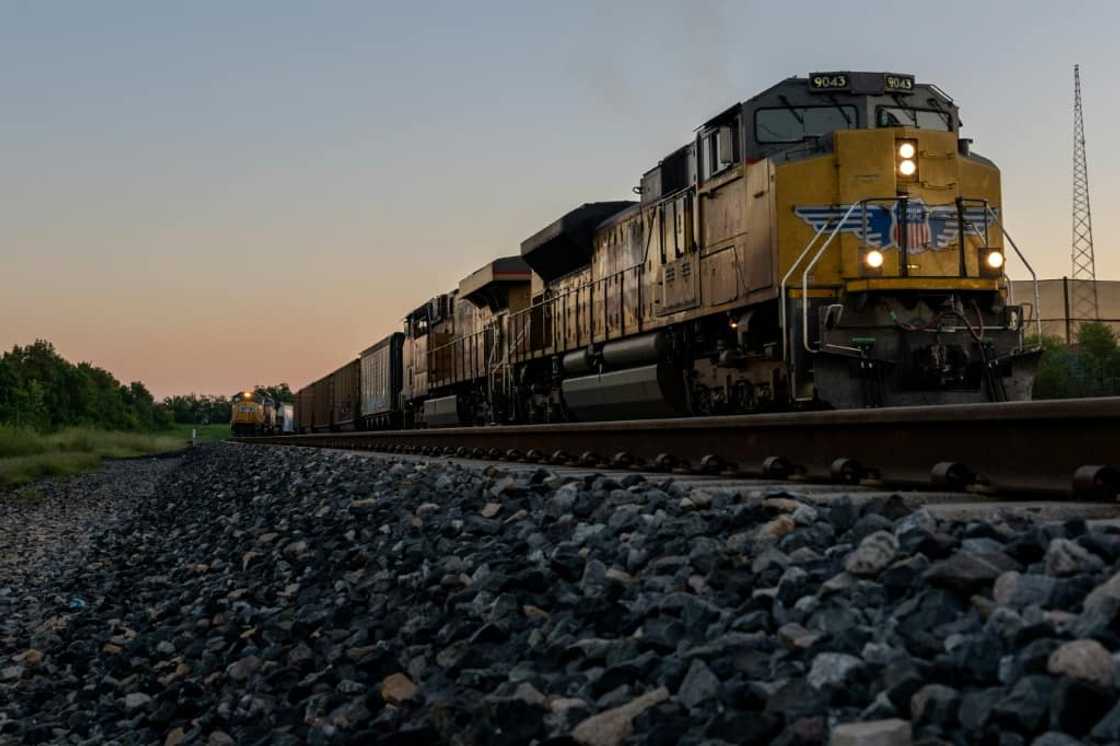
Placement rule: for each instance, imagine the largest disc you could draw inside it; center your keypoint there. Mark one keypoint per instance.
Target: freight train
(831, 242)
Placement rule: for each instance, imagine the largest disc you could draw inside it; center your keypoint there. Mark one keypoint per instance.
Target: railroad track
(1068, 448)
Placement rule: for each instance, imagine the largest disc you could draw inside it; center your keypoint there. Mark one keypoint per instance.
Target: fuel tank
(643, 392)
(442, 412)
(624, 353)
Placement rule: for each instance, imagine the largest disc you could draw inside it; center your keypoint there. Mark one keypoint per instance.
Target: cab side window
(719, 148)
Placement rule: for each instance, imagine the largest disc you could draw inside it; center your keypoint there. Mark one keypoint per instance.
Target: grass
(206, 433)
(26, 455)
(23, 469)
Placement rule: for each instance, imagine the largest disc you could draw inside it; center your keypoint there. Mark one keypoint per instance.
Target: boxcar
(322, 404)
(381, 378)
(344, 396)
(305, 409)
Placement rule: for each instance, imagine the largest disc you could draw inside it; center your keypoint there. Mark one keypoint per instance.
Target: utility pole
(1084, 275)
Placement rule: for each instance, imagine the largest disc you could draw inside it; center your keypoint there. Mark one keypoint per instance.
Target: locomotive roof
(489, 285)
(815, 85)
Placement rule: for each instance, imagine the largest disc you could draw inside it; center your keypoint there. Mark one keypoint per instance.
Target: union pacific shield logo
(928, 227)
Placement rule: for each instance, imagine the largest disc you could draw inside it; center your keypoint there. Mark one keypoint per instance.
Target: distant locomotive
(830, 243)
(253, 414)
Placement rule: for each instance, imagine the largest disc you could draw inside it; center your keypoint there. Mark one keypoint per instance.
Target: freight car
(381, 377)
(330, 404)
(831, 242)
(304, 409)
(344, 396)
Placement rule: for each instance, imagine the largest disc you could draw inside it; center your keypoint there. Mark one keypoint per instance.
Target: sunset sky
(208, 195)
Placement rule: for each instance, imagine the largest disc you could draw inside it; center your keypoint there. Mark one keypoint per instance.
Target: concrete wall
(1053, 300)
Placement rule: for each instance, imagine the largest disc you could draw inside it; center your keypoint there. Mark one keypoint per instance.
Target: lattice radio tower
(1084, 268)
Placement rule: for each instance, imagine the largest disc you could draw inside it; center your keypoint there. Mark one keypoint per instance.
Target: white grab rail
(1037, 310)
(805, 277)
(786, 352)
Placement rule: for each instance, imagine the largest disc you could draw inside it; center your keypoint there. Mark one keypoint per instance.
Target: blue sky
(209, 195)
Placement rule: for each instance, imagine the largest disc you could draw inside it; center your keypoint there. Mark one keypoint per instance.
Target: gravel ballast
(282, 596)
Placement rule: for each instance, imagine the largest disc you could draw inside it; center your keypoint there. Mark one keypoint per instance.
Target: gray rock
(136, 700)
(1110, 589)
(893, 732)
(982, 545)
(805, 515)
(935, 703)
(244, 668)
(1005, 622)
(976, 708)
(1055, 739)
(612, 727)
(963, 572)
(1019, 590)
(873, 554)
(699, 685)
(1085, 660)
(921, 519)
(1064, 557)
(1107, 730)
(831, 670)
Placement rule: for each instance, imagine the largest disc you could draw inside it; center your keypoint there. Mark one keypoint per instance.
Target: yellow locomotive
(830, 242)
(252, 414)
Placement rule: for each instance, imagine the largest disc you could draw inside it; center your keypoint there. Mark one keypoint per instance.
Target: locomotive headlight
(873, 259)
(906, 158)
(995, 259)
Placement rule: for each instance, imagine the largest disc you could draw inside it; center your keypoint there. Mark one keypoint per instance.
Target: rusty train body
(831, 242)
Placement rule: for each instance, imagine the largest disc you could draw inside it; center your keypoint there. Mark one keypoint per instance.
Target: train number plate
(901, 83)
(828, 82)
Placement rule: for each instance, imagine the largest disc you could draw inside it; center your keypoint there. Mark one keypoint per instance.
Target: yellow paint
(864, 166)
(923, 283)
(813, 293)
(247, 413)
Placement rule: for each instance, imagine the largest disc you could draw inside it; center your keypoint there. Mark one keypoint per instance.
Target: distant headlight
(873, 259)
(907, 167)
(995, 259)
(907, 150)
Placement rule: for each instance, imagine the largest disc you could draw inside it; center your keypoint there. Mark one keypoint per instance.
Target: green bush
(18, 441)
(1090, 368)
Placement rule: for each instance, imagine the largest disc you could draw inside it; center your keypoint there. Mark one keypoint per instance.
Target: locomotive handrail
(786, 352)
(1037, 312)
(808, 269)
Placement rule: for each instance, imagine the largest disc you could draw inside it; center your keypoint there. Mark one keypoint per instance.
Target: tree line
(201, 410)
(41, 390)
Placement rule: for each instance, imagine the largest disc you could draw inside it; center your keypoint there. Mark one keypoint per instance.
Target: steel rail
(1055, 447)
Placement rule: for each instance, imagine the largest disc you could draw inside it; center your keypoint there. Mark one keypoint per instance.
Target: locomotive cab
(893, 288)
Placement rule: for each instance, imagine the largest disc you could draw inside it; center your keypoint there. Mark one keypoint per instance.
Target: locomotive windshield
(924, 119)
(795, 123)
